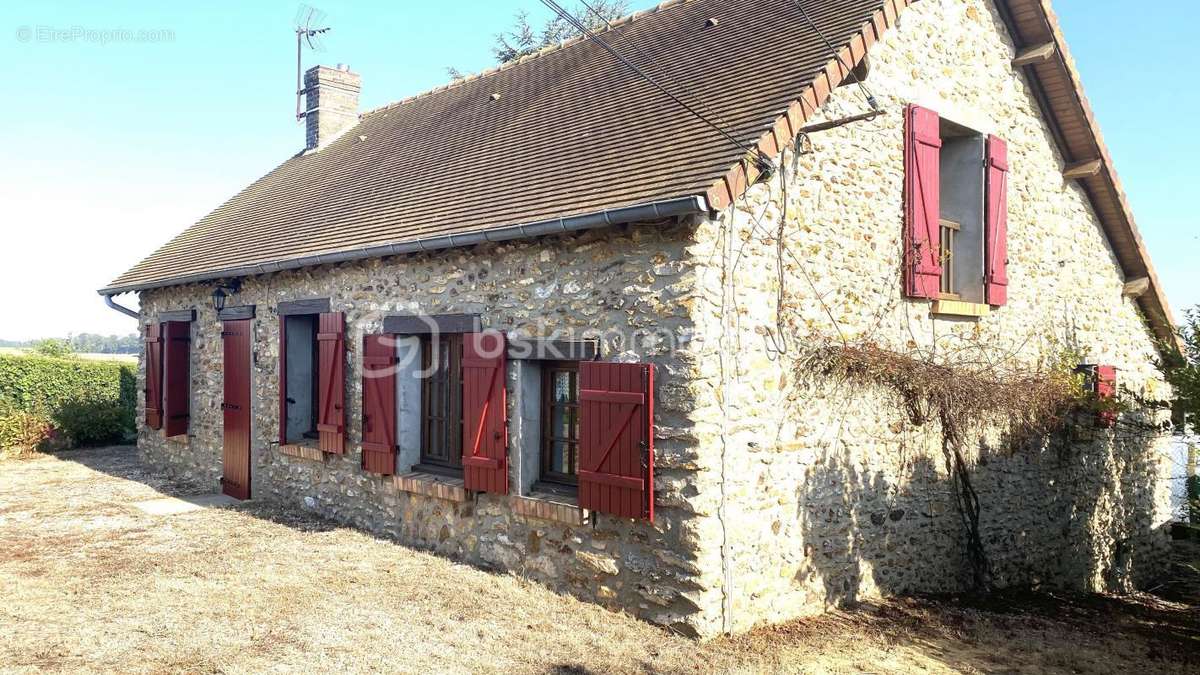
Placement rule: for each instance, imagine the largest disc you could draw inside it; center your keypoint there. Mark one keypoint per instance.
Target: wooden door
(236, 408)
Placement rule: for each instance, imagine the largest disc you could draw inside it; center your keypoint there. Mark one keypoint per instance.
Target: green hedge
(90, 402)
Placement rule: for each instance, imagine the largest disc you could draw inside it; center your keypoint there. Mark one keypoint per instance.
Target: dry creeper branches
(961, 397)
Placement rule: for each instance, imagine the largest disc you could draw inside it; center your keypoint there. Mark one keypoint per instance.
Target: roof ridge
(453, 84)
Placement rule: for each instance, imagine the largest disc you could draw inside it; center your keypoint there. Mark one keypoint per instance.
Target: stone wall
(830, 494)
(775, 496)
(627, 287)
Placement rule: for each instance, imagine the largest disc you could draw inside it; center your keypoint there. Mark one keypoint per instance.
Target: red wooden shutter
(331, 422)
(922, 203)
(485, 414)
(177, 349)
(379, 404)
(616, 439)
(1106, 390)
(996, 223)
(153, 388)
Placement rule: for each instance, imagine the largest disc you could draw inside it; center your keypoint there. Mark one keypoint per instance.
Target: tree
(93, 343)
(1184, 374)
(522, 39)
(53, 347)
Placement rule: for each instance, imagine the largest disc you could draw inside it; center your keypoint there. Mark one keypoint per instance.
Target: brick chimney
(331, 103)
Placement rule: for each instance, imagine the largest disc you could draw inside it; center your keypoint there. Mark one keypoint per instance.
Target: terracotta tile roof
(573, 132)
(575, 135)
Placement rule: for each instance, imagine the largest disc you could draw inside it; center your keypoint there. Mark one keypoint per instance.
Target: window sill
(960, 308)
(563, 492)
(302, 451)
(179, 439)
(438, 470)
(432, 485)
(554, 507)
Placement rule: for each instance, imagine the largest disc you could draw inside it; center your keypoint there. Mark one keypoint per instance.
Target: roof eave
(739, 178)
(656, 210)
(1134, 258)
(783, 131)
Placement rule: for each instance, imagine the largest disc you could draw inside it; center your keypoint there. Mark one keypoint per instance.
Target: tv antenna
(307, 18)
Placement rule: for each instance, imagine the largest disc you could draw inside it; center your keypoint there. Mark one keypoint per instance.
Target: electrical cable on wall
(778, 340)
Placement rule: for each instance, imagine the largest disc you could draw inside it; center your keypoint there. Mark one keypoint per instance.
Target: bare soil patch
(89, 583)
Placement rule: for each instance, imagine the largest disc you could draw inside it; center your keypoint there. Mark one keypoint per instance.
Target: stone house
(549, 319)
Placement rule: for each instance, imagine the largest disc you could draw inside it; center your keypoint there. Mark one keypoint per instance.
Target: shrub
(90, 423)
(89, 401)
(21, 431)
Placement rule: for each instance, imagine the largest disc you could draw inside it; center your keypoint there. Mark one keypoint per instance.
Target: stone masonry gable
(831, 495)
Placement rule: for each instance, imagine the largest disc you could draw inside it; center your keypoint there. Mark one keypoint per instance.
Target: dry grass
(91, 584)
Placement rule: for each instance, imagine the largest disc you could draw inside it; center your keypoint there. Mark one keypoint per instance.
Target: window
(312, 375)
(961, 212)
(300, 380)
(560, 423)
(956, 211)
(441, 402)
(949, 228)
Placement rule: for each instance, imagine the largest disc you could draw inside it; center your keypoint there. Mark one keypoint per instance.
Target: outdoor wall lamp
(223, 290)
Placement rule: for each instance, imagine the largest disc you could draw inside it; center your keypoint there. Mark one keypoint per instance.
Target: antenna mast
(306, 16)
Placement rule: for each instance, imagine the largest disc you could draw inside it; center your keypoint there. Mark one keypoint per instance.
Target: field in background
(92, 584)
(123, 358)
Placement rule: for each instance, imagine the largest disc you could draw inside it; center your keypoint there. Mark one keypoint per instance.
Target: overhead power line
(832, 50)
(764, 162)
(661, 68)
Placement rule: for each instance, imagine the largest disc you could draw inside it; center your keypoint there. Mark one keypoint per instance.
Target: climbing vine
(965, 398)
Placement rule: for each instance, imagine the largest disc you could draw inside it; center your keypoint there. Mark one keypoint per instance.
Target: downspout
(108, 300)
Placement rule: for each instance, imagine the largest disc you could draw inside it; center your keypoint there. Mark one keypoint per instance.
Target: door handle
(230, 406)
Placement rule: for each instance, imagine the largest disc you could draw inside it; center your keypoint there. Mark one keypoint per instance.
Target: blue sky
(110, 148)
